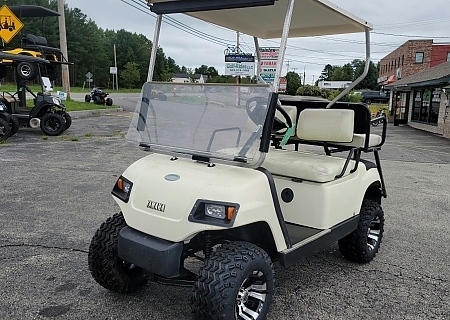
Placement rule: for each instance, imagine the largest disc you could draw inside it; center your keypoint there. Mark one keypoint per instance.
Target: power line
(409, 36)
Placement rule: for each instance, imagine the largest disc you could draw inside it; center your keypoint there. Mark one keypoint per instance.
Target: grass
(72, 105)
(8, 87)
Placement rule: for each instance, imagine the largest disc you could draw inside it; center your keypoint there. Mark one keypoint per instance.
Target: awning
(390, 80)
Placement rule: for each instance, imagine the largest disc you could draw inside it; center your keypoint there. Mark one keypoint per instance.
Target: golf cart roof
(33, 11)
(265, 18)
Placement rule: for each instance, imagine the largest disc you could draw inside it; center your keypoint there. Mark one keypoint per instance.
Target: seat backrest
(34, 40)
(326, 125)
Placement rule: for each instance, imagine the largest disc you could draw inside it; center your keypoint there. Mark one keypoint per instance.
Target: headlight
(56, 101)
(122, 189)
(2, 108)
(215, 211)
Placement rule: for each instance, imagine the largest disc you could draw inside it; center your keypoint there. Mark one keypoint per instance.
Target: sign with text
(10, 25)
(240, 69)
(242, 57)
(269, 62)
(113, 70)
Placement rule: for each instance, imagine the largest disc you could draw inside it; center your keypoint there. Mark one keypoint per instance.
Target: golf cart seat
(316, 125)
(361, 138)
(30, 41)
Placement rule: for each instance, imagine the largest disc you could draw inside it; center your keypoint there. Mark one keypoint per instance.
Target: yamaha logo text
(156, 206)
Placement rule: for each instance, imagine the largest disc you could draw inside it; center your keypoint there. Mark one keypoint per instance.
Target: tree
(344, 73)
(130, 75)
(293, 83)
(326, 73)
(371, 80)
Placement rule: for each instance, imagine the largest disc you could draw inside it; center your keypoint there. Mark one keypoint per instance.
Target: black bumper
(158, 256)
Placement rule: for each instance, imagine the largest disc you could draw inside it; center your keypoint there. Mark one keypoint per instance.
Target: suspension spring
(207, 250)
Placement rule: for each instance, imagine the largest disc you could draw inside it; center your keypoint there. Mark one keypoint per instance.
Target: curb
(93, 113)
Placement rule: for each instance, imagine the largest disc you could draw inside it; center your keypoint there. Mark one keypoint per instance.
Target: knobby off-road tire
(5, 129)
(87, 98)
(14, 125)
(362, 244)
(67, 119)
(236, 282)
(53, 124)
(106, 267)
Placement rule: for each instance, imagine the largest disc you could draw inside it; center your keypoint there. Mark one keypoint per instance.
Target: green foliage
(311, 91)
(350, 97)
(293, 83)
(130, 75)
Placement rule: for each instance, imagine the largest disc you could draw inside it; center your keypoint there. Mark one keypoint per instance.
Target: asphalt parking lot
(55, 192)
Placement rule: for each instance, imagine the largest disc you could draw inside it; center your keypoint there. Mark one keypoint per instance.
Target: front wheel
(87, 98)
(106, 267)
(109, 102)
(14, 125)
(68, 120)
(53, 124)
(236, 282)
(362, 244)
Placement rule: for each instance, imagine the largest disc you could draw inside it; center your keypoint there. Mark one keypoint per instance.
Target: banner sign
(240, 69)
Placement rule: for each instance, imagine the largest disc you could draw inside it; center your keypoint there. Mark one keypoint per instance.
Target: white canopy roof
(310, 18)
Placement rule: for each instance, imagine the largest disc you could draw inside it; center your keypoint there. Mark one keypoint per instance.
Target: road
(55, 192)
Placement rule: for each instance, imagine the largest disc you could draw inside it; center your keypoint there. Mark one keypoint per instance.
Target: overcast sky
(417, 18)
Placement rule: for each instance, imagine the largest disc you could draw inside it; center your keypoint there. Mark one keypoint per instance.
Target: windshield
(205, 120)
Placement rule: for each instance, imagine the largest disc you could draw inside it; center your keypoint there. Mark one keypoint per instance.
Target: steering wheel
(257, 113)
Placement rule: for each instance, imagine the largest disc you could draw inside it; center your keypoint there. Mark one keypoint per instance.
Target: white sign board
(113, 70)
(269, 61)
(240, 69)
(89, 75)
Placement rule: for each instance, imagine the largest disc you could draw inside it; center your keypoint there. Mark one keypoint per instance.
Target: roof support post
(151, 67)
(361, 78)
(258, 56)
(284, 37)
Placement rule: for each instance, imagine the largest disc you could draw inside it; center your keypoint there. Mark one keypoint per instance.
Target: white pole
(151, 67)
(63, 45)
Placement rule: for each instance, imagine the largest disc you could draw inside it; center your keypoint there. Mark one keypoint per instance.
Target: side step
(318, 239)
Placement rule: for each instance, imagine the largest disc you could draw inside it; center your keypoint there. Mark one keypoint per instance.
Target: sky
(394, 21)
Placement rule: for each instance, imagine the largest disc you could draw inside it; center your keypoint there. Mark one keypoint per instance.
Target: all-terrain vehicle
(234, 181)
(99, 97)
(8, 124)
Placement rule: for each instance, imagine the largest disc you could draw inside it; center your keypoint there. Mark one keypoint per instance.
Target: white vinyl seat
(305, 165)
(359, 141)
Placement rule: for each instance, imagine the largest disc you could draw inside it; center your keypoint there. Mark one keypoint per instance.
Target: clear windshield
(214, 121)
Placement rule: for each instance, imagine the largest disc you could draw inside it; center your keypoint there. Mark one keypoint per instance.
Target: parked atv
(99, 97)
(158, 95)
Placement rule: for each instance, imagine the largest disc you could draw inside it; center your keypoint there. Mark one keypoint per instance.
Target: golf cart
(36, 46)
(233, 181)
(7, 123)
(48, 112)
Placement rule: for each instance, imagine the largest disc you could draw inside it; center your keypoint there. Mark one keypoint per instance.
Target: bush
(350, 97)
(311, 91)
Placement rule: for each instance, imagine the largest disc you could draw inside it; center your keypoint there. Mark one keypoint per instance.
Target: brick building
(412, 57)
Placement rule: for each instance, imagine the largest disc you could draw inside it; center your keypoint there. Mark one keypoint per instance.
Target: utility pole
(313, 76)
(115, 65)
(288, 64)
(63, 45)
(238, 78)
(304, 76)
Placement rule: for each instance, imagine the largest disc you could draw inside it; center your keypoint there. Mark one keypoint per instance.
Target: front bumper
(158, 256)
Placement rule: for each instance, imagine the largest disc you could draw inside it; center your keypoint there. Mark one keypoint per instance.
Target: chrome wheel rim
(373, 233)
(25, 70)
(251, 296)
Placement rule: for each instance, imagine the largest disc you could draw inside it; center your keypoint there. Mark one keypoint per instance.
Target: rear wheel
(5, 129)
(67, 119)
(53, 124)
(106, 267)
(236, 282)
(109, 102)
(362, 244)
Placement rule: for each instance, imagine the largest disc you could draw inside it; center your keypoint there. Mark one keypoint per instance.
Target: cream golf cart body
(224, 180)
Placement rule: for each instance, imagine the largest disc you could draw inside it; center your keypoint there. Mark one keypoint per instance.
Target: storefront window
(426, 106)
(417, 104)
(435, 105)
